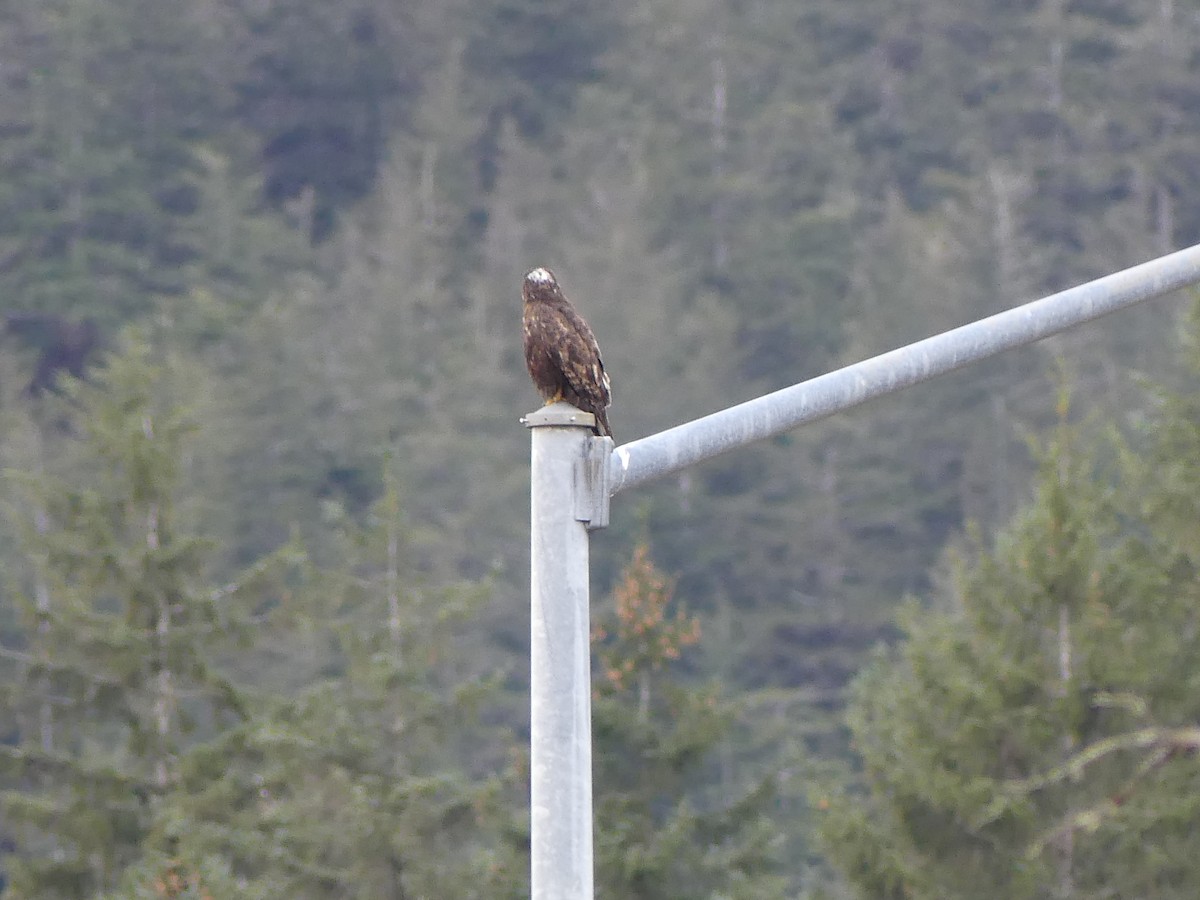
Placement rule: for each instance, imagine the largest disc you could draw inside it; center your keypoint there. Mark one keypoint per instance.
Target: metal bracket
(592, 482)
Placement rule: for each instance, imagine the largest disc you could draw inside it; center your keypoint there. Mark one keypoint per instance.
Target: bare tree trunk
(392, 578)
(1166, 20)
(164, 689)
(75, 76)
(720, 149)
(42, 599)
(1055, 25)
(831, 566)
(1066, 849)
(1164, 210)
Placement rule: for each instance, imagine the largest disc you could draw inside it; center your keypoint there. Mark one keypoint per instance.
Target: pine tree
(99, 154)
(116, 678)
(661, 829)
(534, 57)
(323, 89)
(1034, 737)
(373, 781)
(660, 832)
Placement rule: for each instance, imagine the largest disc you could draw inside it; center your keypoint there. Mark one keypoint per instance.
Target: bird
(561, 352)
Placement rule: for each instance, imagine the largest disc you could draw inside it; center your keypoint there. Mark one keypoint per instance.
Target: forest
(264, 624)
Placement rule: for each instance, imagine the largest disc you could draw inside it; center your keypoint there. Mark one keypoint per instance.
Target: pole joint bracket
(592, 477)
(592, 483)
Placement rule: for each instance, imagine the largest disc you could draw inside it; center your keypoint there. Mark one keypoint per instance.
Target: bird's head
(540, 276)
(540, 284)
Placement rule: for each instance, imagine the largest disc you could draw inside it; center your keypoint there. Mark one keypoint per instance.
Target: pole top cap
(561, 414)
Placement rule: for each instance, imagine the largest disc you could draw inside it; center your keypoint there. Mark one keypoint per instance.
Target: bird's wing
(579, 356)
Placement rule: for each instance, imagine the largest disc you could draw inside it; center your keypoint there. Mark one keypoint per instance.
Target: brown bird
(561, 352)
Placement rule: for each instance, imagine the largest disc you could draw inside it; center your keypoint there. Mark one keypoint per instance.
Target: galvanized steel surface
(566, 489)
(682, 446)
(560, 662)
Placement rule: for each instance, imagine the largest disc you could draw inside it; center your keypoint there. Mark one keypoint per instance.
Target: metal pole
(560, 658)
(685, 445)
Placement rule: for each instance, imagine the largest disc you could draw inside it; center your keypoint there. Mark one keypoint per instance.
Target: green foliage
(365, 784)
(322, 87)
(115, 679)
(159, 877)
(324, 210)
(99, 174)
(658, 835)
(1035, 735)
(544, 51)
(663, 828)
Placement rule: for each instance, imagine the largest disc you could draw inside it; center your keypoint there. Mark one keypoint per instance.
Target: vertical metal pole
(560, 680)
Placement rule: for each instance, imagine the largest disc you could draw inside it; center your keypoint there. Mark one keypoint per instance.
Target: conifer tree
(116, 678)
(659, 832)
(99, 152)
(1035, 736)
(373, 781)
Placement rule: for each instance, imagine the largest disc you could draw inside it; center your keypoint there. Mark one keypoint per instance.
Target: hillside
(313, 218)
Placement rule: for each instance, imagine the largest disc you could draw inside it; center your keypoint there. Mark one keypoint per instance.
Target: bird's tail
(602, 426)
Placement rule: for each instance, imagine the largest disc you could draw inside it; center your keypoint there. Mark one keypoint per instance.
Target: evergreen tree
(373, 781)
(116, 678)
(98, 158)
(1033, 738)
(532, 58)
(663, 828)
(323, 87)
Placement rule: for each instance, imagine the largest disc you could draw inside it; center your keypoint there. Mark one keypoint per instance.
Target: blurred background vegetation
(263, 621)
